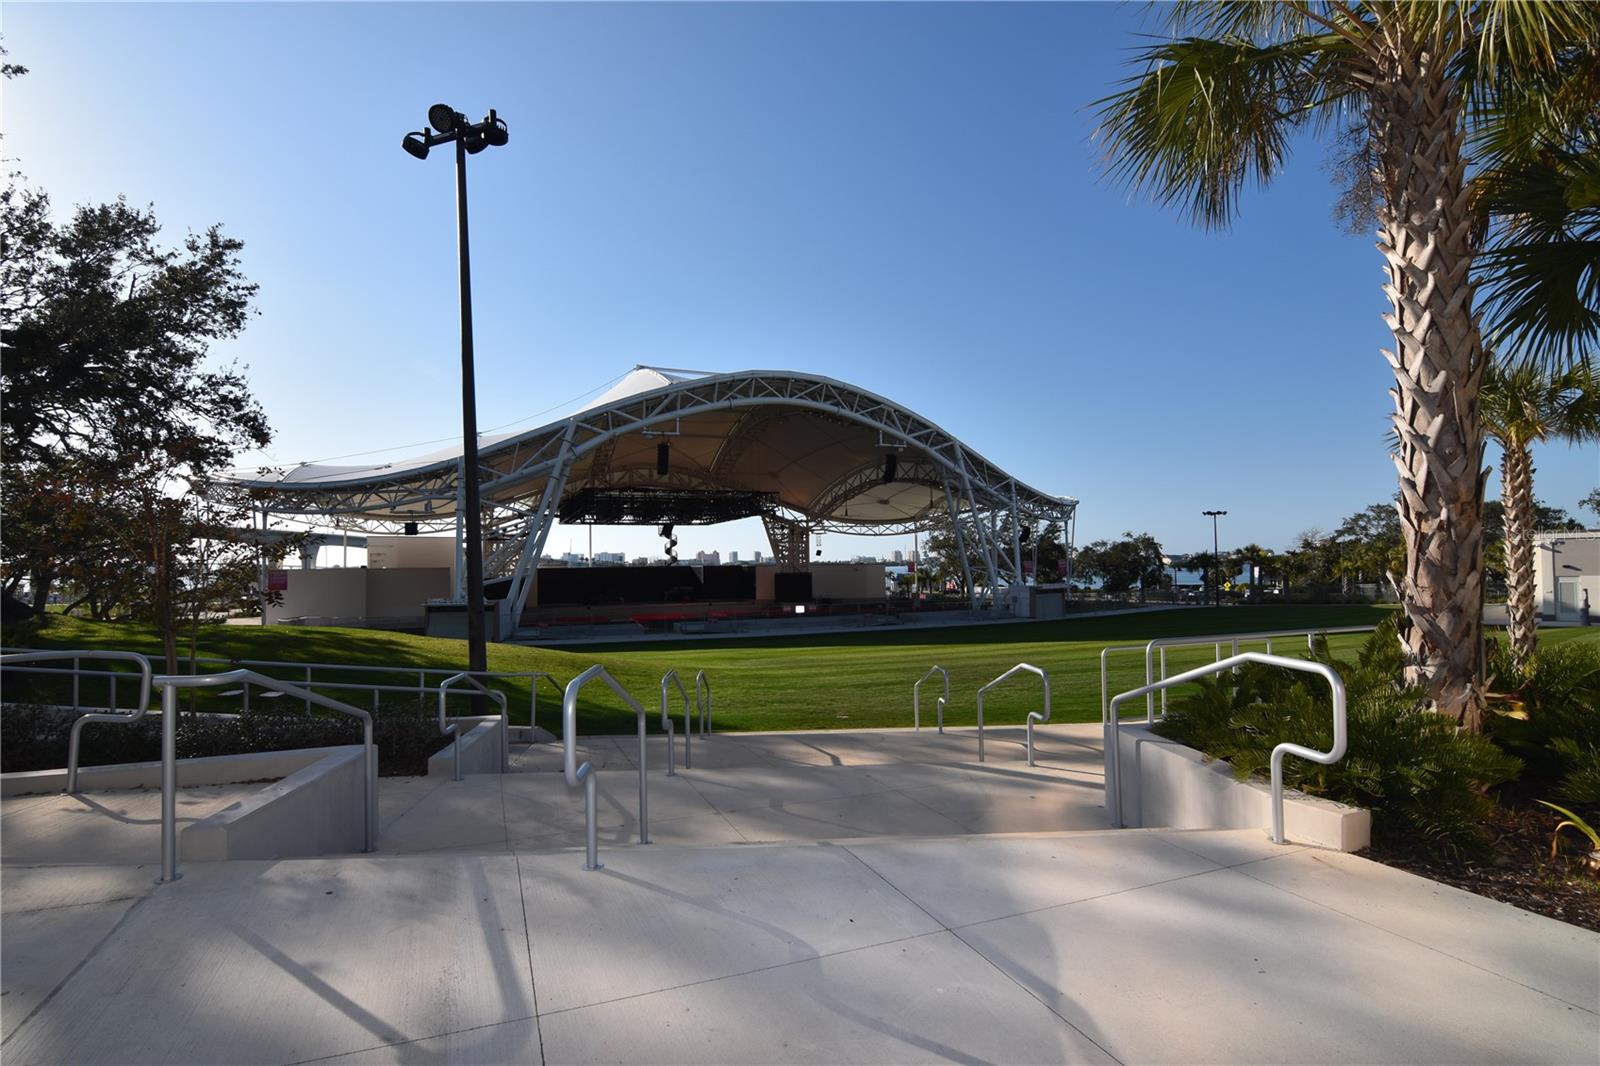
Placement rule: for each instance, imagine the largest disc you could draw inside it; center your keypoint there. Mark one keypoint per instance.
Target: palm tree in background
(1405, 81)
(1522, 406)
(1257, 559)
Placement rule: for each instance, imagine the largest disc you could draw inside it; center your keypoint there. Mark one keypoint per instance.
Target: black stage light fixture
(889, 465)
(495, 131)
(416, 144)
(443, 118)
(663, 458)
(411, 529)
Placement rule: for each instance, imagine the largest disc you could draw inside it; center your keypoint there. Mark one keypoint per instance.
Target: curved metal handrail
(700, 680)
(916, 698)
(169, 685)
(666, 720)
(585, 774)
(1032, 715)
(1326, 758)
(1217, 640)
(454, 728)
(138, 660)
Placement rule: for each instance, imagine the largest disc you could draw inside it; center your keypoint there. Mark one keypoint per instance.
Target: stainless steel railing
(73, 738)
(423, 688)
(666, 720)
(1113, 728)
(916, 698)
(454, 728)
(702, 684)
(169, 684)
(1032, 715)
(1160, 646)
(584, 775)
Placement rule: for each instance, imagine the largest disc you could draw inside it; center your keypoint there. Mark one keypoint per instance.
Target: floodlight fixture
(494, 130)
(445, 118)
(416, 144)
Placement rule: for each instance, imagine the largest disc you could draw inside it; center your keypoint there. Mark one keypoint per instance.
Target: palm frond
(1206, 116)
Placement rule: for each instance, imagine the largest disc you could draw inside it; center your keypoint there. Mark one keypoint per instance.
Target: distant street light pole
(1216, 557)
(446, 124)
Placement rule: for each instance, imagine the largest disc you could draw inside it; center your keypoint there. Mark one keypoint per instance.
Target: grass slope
(818, 681)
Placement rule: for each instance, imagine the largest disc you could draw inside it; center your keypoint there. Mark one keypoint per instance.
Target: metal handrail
(666, 721)
(74, 735)
(1032, 715)
(169, 685)
(700, 681)
(421, 688)
(585, 774)
(454, 728)
(1113, 729)
(1233, 640)
(916, 698)
(1103, 681)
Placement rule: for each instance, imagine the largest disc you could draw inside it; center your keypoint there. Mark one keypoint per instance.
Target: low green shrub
(1424, 780)
(1547, 712)
(35, 738)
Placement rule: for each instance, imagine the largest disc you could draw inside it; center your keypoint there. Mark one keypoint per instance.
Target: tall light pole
(1216, 555)
(446, 124)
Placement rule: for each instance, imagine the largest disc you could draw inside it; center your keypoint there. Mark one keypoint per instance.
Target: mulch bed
(1516, 868)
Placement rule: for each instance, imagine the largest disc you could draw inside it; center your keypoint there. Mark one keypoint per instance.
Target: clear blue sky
(902, 196)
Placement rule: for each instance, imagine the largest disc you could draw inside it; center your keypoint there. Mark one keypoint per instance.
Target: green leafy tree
(1591, 503)
(109, 398)
(1121, 565)
(1523, 406)
(1220, 104)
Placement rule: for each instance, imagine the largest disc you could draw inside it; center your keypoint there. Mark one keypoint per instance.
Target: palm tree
(1408, 79)
(1522, 406)
(1257, 559)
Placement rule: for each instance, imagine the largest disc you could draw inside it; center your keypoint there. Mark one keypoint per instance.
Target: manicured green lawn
(841, 680)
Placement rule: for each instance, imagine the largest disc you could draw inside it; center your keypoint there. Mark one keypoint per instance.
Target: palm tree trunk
(1516, 492)
(1438, 362)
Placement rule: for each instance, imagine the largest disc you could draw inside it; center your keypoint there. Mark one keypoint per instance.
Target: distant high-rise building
(610, 558)
(708, 558)
(759, 557)
(733, 557)
(899, 556)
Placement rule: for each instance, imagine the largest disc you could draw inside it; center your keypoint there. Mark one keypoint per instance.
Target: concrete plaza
(806, 900)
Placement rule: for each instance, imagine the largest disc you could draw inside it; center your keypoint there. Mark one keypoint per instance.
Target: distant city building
(733, 557)
(759, 557)
(899, 556)
(573, 559)
(708, 558)
(610, 558)
(639, 561)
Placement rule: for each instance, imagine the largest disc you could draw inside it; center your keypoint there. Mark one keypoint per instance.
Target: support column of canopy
(790, 542)
(979, 529)
(538, 531)
(961, 543)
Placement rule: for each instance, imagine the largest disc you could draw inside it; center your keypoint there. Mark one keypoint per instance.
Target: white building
(1566, 569)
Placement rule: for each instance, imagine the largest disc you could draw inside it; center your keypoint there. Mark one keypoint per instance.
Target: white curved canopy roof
(816, 445)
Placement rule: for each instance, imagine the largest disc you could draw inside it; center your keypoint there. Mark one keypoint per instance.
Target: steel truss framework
(523, 479)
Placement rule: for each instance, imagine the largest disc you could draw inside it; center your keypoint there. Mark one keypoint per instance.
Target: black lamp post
(446, 124)
(1216, 556)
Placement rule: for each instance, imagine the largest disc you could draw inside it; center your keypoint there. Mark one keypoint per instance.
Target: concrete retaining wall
(481, 749)
(1169, 785)
(211, 770)
(317, 810)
